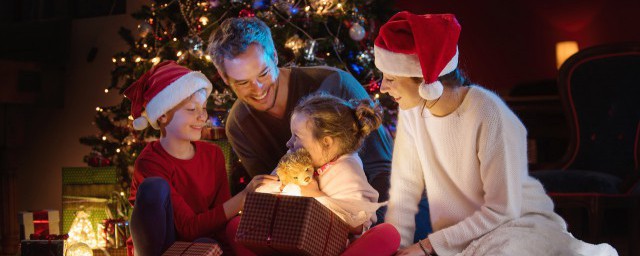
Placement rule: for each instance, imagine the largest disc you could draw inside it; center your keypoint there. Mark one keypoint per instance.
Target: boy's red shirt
(199, 187)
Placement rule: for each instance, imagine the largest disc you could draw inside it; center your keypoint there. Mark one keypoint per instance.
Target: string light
(98, 109)
(117, 150)
(104, 137)
(204, 20)
(114, 60)
(175, 39)
(106, 90)
(377, 95)
(123, 59)
(138, 59)
(179, 53)
(82, 230)
(306, 9)
(207, 57)
(155, 60)
(144, 45)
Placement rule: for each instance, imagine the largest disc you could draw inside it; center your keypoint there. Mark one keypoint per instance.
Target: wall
(505, 43)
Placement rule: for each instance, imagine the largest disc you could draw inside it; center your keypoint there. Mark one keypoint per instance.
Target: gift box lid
(43, 215)
(278, 224)
(89, 175)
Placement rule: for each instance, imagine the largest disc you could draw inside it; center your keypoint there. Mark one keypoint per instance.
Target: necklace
(429, 106)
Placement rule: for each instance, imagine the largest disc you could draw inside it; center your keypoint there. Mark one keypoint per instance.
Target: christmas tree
(306, 32)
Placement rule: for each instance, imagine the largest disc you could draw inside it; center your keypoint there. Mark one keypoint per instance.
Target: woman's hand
(311, 189)
(415, 249)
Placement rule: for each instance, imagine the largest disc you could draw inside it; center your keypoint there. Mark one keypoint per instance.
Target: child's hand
(260, 180)
(311, 189)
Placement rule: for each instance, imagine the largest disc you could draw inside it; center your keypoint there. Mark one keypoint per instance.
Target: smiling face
(186, 120)
(252, 76)
(404, 90)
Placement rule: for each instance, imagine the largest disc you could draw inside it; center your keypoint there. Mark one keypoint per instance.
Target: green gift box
(89, 175)
(88, 189)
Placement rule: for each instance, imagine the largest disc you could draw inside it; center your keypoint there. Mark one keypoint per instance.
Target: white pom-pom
(140, 123)
(431, 91)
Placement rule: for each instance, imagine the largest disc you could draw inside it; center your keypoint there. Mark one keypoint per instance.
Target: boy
(180, 189)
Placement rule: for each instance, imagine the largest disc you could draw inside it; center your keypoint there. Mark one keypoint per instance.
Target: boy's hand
(260, 180)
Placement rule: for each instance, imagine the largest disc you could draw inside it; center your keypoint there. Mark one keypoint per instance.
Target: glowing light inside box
(564, 50)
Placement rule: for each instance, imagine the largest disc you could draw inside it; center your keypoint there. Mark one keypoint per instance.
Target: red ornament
(95, 159)
(373, 85)
(246, 13)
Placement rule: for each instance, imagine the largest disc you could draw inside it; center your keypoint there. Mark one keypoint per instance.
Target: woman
(463, 145)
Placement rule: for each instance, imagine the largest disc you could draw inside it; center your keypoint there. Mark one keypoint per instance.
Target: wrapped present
(113, 233)
(193, 249)
(278, 224)
(110, 252)
(39, 222)
(54, 245)
(89, 175)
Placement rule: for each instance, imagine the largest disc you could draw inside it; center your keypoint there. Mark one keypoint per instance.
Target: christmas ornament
(144, 29)
(310, 50)
(295, 43)
(267, 16)
(373, 85)
(82, 231)
(246, 13)
(357, 32)
(285, 6)
(322, 6)
(214, 3)
(79, 249)
(364, 58)
(95, 159)
(195, 45)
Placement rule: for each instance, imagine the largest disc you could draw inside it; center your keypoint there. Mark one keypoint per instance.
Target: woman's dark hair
(348, 121)
(453, 78)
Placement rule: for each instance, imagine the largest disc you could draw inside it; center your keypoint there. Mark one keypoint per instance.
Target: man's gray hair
(234, 36)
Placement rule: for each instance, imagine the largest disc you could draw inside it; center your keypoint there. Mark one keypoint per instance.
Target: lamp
(564, 50)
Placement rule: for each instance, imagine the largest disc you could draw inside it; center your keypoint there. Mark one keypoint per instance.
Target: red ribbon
(326, 240)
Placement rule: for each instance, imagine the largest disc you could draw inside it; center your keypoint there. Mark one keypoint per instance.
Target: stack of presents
(95, 213)
(94, 216)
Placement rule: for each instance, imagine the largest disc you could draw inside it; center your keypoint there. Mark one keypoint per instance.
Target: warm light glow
(204, 20)
(179, 53)
(306, 9)
(98, 109)
(207, 57)
(292, 190)
(377, 96)
(114, 60)
(144, 45)
(123, 59)
(175, 39)
(82, 231)
(79, 249)
(131, 117)
(106, 90)
(104, 137)
(564, 50)
(117, 150)
(155, 60)
(138, 59)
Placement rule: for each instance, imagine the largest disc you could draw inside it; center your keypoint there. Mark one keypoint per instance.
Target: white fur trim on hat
(140, 123)
(397, 64)
(431, 91)
(175, 93)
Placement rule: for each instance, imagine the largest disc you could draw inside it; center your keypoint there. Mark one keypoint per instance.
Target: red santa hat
(160, 89)
(424, 46)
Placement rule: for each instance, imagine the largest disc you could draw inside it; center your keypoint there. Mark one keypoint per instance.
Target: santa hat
(424, 46)
(160, 89)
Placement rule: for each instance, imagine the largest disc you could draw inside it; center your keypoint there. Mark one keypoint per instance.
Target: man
(258, 124)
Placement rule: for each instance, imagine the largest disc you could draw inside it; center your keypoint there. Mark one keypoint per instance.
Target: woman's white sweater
(473, 165)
